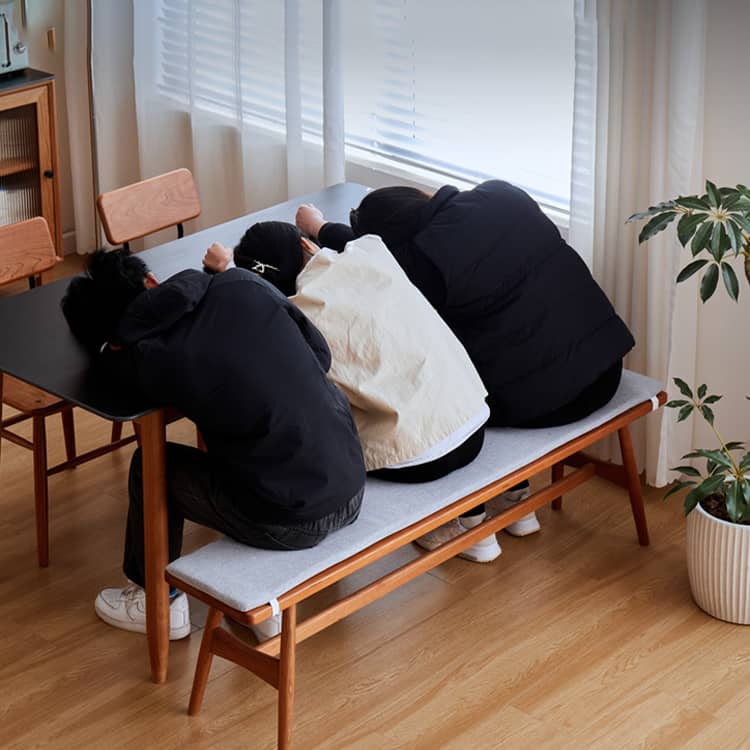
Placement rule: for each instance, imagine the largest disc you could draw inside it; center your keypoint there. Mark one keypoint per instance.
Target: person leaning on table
(417, 400)
(542, 334)
(283, 466)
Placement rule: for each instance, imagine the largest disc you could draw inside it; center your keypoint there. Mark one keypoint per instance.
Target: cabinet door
(27, 157)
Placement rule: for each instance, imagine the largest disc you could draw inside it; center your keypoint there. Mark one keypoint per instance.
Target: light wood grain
(575, 638)
(150, 205)
(26, 249)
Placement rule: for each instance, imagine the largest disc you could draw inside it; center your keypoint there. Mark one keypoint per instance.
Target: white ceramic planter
(718, 558)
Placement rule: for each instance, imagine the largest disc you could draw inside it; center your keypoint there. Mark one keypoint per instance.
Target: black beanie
(393, 213)
(273, 250)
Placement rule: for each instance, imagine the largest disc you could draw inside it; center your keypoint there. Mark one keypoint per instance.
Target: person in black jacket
(283, 465)
(542, 334)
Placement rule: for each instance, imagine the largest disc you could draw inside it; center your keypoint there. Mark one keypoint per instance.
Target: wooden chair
(145, 207)
(26, 251)
(148, 206)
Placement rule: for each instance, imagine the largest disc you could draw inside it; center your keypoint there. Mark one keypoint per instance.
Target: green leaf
(714, 196)
(690, 471)
(709, 281)
(707, 487)
(685, 412)
(714, 455)
(691, 268)
(659, 222)
(733, 496)
(702, 390)
(692, 202)
(684, 387)
(733, 445)
(735, 235)
(701, 238)
(745, 462)
(677, 487)
(745, 488)
(676, 403)
(711, 399)
(687, 225)
(708, 414)
(730, 281)
(730, 198)
(716, 236)
(651, 210)
(743, 221)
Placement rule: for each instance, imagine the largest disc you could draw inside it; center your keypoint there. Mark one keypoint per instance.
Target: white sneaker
(483, 551)
(267, 629)
(528, 524)
(126, 609)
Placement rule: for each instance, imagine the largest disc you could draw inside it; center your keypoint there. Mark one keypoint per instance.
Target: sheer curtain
(281, 54)
(638, 140)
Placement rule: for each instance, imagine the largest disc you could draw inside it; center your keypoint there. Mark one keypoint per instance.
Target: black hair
(96, 300)
(273, 250)
(393, 213)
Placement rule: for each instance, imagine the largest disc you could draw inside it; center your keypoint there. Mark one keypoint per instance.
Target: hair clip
(260, 268)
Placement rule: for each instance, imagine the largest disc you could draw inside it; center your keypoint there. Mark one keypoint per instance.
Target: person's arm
(310, 221)
(218, 258)
(335, 236)
(311, 334)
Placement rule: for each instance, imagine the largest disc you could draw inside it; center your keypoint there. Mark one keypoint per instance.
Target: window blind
(470, 90)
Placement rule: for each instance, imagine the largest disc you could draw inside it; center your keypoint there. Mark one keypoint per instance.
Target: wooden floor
(574, 638)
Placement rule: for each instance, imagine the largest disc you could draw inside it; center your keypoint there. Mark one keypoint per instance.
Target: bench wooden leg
(116, 431)
(286, 676)
(205, 657)
(69, 432)
(634, 485)
(40, 489)
(558, 471)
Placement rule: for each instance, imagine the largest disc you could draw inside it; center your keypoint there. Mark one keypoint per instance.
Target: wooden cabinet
(29, 183)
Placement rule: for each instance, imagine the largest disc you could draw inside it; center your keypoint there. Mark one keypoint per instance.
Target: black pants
(591, 398)
(195, 492)
(458, 457)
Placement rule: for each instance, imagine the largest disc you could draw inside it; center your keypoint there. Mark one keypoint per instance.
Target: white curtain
(76, 47)
(240, 164)
(638, 140)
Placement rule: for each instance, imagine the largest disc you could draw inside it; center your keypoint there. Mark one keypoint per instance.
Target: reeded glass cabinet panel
(28, 151)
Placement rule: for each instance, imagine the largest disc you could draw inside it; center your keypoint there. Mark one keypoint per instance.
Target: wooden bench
(250, 585)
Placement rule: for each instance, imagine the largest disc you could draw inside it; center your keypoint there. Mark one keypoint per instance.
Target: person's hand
(217, 257)
(309, 220)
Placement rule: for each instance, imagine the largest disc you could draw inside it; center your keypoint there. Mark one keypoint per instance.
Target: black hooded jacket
(536, 325)
(235, 356)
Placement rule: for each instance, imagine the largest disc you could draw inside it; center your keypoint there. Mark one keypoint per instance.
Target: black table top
(37, 346)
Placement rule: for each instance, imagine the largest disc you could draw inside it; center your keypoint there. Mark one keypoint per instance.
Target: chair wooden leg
(287, 676)
(40, 490)
(205, 657)
(116, 431)
(137, 431)
(558, 471)
(69, 432)
(634, 485)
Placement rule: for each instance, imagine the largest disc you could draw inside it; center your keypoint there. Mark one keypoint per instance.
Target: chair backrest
(26, 249)
(144, 207)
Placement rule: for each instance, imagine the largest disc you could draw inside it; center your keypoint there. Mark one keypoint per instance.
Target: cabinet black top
(25, 77)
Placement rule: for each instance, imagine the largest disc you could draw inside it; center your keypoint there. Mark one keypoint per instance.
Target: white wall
(723, 351)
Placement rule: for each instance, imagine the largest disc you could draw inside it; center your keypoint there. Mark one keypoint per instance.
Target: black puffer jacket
(236, 357)
(537, 326)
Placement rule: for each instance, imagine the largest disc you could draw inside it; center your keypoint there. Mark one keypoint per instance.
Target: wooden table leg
(153, 436)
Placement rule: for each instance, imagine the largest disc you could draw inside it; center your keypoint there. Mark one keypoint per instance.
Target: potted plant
(716, 226)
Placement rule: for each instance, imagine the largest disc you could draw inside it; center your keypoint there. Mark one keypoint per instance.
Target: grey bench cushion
(244, 577)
